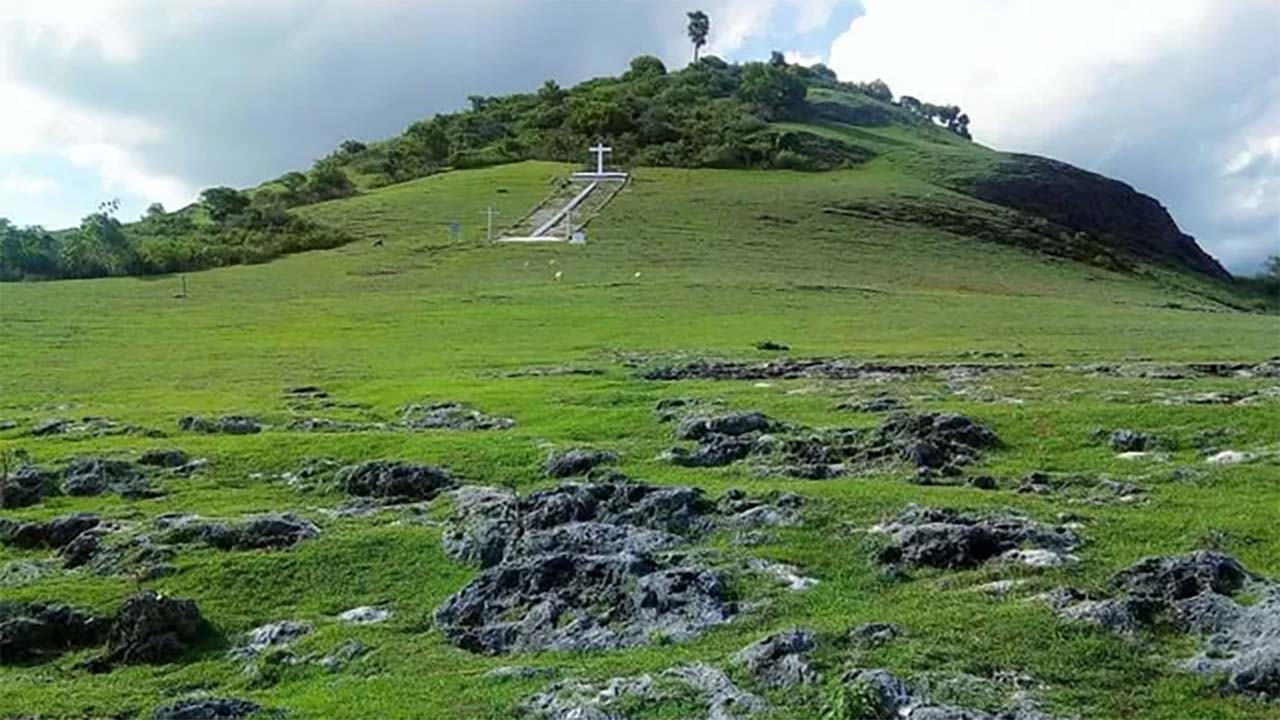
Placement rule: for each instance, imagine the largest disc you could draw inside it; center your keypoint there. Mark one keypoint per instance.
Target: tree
(329, 181)
(552, 94)
(432, 138)
(779, 93)
(911, 104)
(879, 90)
(224, 202)
(777, 59)
(646, 66)
(352, 147)
(699, 28)
(1273, 266)
(154, 210)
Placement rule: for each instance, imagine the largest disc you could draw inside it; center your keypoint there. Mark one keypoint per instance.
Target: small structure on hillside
(600, 150)
(560, 218)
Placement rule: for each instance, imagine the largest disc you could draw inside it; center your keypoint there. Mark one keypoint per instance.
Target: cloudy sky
(152, 100)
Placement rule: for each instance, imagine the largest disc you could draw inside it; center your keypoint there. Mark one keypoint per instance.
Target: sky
(152, 100)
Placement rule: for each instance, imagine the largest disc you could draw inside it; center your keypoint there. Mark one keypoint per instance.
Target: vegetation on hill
(227, 228)
(709, 114)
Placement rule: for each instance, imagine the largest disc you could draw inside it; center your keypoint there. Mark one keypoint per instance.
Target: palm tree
(699, 26)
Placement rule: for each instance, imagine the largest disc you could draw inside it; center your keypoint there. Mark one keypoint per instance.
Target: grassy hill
(758, 115)
(872, 263)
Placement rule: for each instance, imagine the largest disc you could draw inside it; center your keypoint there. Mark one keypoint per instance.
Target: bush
(328, 181)
(223, 202)
(645, 66)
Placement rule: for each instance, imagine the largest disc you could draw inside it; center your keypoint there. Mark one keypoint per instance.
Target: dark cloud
(243, 93)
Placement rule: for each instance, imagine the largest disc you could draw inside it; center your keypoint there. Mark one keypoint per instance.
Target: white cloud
(733, 22)
(29, 185)
(114, 146)
(798, 58)
(1178, 97)
(1022, 69)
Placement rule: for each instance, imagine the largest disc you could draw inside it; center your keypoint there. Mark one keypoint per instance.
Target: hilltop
(755, 116)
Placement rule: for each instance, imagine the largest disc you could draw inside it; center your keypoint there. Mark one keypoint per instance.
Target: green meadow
(682, 265)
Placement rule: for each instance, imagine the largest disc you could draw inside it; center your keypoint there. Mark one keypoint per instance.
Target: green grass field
(682, 264)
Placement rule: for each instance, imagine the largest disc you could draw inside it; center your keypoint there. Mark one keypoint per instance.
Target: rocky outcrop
(207, 709)
(578, 567)
(1196, 594)
(780, 660)
(54, 534)
(33, 632)
(699, 685)
(29, 485)
(262, 532)
(395, 481)
(931, 443)
(97, 475)
(884, 696)
(150, 629)
(577, 461)
(950, 540)
(450, 416)
(1110, 210)
(225, 425)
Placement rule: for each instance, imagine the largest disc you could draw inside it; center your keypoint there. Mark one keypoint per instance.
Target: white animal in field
(559, 274)
(637, 274)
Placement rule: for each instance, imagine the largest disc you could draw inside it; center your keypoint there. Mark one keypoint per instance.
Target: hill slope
(709, 115)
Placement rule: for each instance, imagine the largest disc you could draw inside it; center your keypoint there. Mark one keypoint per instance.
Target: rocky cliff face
(1113, 211)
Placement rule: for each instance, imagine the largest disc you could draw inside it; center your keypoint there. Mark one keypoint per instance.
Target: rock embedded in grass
(51, 426)
(270, 636)
(874, 634)
(884, 696)
(207, 709)
(577, 461)
(450, 416)
(577, 567)
(1198, 594)
(732, 424)
(811, 368)
(1126, 440)
(272, 531)
(704, 685)
(164, 458)
(224, 425)
(929, 442)
(878, 404)
(35, 631)
(365, 615)
(394, 480)
(98, 475)
(53, 534)
(29, 485)
(568, 601)
(950, 540)
(780, 660)
(150, 629)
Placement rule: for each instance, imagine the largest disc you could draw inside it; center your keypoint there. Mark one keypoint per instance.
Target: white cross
(600, 149)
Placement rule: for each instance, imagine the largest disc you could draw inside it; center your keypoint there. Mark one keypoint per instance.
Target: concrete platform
(530, 239)
(598, 176)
